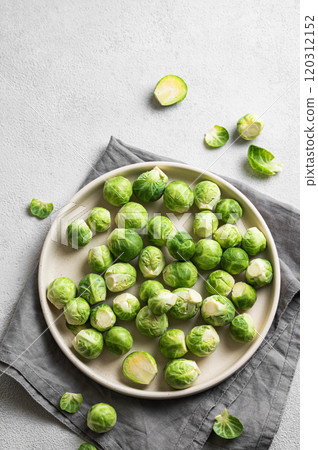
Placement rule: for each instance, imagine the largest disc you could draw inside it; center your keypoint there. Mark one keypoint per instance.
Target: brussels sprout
(178, 196)
(78, 234)
(151, 262)
(99, 258)
(259, 273)
(148, 289)
(219, 283)
(261, 160)
(120, 276)
(181, 246)
(140, 367)
(77, 328)
(88, 343)
(216, 137)
(162, 302)
(228, 236)
(187, 305)
(253, 241)
(229, 210)
(250, 126)
(217, 311)
(234, 260)
(92, 287)
(149, 186)
(172, 344)
(202, 340)
(70, 402)
(180, 274)
(118, 340)
(102, 317)
(170, 89)
(132, 215)
(76, 311)
(243, 296)
(125, 244)
(227, 426)
(207, 254)
(159, 230)
(150, 324)
(101, 418)
(205, 224)
(60, 291)
(117, 191)
(87, 446)
(181, 373)
(40, 209)
(242, 328)
(99, 219)
(126, 306)
(206, 195)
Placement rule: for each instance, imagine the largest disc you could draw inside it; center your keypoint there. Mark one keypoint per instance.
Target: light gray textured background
(73, 73)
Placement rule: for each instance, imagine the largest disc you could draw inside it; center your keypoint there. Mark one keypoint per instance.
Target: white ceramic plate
(57, 259)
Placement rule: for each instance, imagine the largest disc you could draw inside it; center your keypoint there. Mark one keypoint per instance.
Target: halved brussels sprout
(78, 234)
(77, 328)
(170, 89)
(162, 301)
(100, 258)
(40, 209)
(219, 283)
(88, 343)
(205, 224)
(253, 241)
(76, 311)
(140, 367)
(148, 289)
(187, 305)
(181, 246)
(202, 340)
(206, 195)
(60, 291)
(216, 137)
(229, 210)
(117, 191)
(118, 340)
(132, 215)
(92, 287)
(207, 254)
(228, 236)
(217, 311)
(159, 230)
(99, 219)
(250, 126)
(180, 274)
(102, 317)
(125, 244)
(126, 306)
(101, 418)
(149, 186)
(150, 324)
(243, 296)
(261, 161)
(259, 272)
(234, 260)
(172, 344)
(242, 328)
(120, 276)
(178, 196)
(151, 261)
(71, 402)
(181, 373)
(227, 426)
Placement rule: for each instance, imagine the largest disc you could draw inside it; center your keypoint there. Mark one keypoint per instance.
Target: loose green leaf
(261, 160)
(71, 402)
(40, 209)
(87, 446)
(227, 426)
(216, 137)
(170, 89)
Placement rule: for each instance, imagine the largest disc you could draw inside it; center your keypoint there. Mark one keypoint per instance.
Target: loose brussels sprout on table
(120, 276)
(151, 261)
(229, 210)
(99, 219)
(180, 274)
(234, 260)
(70, 402)
(206, 195)
(77, 328)
(216, 137)
(178, 196)
(40, 209)
(261, 160)
(117, 191)
(243, 296)
(253, 241)
(126, 306)
(102, 317)
(162, 301)
(242, 328)
(159, 230)
(125, 244)
(170, 89)
(228, 236)
(101, 418)
(92, 287)
(250, 126)
(259, 272)
(60, 291)
(149, 186)
(219, 283)
(172, 344)
(148, 289)
(100, 258)
(205, 224)
(78, 234)
(132, 215)
(88, 343)
(76, 311)
(140, 367)
(118, 341)
(181, 246)
(202, 340)
(187, 305)
(87, 446)
(150, 324)
(217, 311)
(207, 254)
(227, 426)
(181, 373)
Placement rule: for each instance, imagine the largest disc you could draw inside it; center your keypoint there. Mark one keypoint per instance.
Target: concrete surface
(73, 73)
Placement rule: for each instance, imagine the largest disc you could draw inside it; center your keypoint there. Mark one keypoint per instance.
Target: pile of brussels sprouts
(216, 245)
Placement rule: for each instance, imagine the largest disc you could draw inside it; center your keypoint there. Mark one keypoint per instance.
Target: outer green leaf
(71, 402)
(216, 137)
(227, 426)
(40, 209)
(260, 160)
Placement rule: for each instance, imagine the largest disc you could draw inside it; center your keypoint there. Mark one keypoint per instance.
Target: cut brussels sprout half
(250, 126)
(126, 306)
(227, 426)
(228, 210)
(219, 283)
(78, 234)
(149, 186)
(76, 311)
(259, 272)
(140, 367)
(242, 328)
(243, 295)
(180, 274)
(102, 317)
(172, 344)
(120, 276)
(117, 191)
(178, 196)
(151, 261)
(99, 219)
(187, 305)
(207, 254)
(170, 89)
(99, 258)
(216, 137)
(150, 324)
(125, 244)
(217, 311)
(148, 289)
(261, 160)
(202, 340)
(70, 402)
(92, 287)
(205, 224)
(228, 236)
(101, 418)
(162, 302)
(40, 209)
(253, 241)
(88, 343)
(159, 230)
(181, 246)
(118, 341)
(60, 291)
(132, 215)
(181, 373)
(206, 195)
(234, 260)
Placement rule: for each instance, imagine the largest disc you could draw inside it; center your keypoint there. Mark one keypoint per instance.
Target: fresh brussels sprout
(140, 367)
(253, 241)
(101, 418)
(217, 311)
(229, 210)
(227, 426)
(120, 276)
(202, 340)
(102, 317)
(99, 219)
(117, 191)
(150, 324)
(92, 287)
(250, 126)
(100, 258)
(243, 296)
(159, 230)
(170, 89)
(76, 311)
(149, 186)
(60, 291)
(207, 254)
(187, 305)
(172, 344)
(181, 373)
(118, 340)
(206, 195)
(77, 328)
(40, 209)
(234, 260)
(219, 283)
(216, 137)
(162, 302)
(78, 234)
(132, 215)
(181, 246)
(70, 402)
(151, 261)
(88, 343)
(259, 273)
(180, 274)
(125, 244)
(242, 328)
(126, 306)
(148, 289)
(261, 160)
(228, 236)
(178, 196)
(205, 224)
(87, 446)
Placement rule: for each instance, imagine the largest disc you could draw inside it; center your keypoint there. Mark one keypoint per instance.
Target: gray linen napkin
(256, 393)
